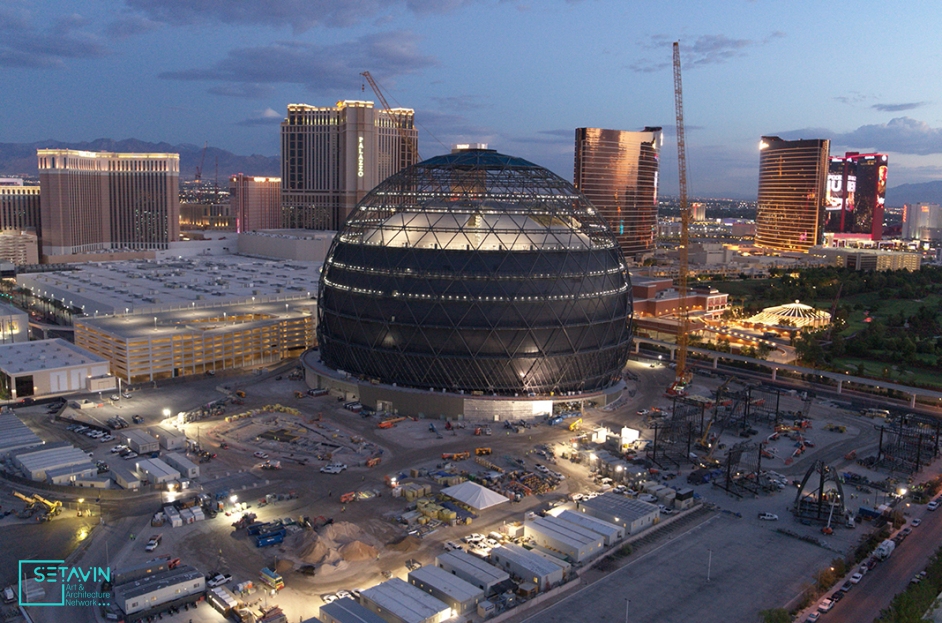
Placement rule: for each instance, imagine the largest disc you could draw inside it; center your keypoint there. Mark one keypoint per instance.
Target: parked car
(934, 504)
(768, 516)
(333, 468)
(137, 419)
(915, 522)
(814, 616)
(260, 455)
(856, 578)
(115, 397)
(825, 606)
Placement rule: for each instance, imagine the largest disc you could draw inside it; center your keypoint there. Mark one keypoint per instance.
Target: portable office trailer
(450, 589)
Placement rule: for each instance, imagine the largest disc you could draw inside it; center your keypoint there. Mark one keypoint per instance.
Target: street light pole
(709, 563)
(627, 604)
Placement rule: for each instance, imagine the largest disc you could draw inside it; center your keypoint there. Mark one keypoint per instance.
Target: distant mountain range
(20, 158)
(926, 192)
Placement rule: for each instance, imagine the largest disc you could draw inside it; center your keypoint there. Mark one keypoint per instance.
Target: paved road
(752, 566)
(876, 590)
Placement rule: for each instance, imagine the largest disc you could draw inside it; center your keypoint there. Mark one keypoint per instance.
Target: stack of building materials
(435, 511)
(411, 491)
(173, 516)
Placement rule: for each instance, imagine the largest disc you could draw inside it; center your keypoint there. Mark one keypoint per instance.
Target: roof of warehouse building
(620, 506)
(564, 531)
(69, 470)
(139, 436)
(349, 611)
(159, 284)
(592, 523)
(181, 460)
(15, 434)
(156, 468)
(162, 579)
(527, 559)
(411, 604)
(201, 319)
(453, 586)
(50, 457)
(30, 357)
(166, 432)
(472, 565)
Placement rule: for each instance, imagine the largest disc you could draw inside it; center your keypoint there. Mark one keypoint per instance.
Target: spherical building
(476, 272)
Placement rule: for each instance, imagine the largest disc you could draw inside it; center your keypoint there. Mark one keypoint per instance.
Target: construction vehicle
(482, 451)
(53, 507)
(348, 497)
(683, 376)
(240, 393)
(576, 424)
(390, 422)
(299, 395)
(373, 462)
(29, 501)
(455, 456)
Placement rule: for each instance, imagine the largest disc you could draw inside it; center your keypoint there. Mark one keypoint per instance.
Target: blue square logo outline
(19, 585)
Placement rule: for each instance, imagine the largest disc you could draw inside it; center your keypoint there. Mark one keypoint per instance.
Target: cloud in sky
(267, 117)
(25, 44)
(902, 135)
(245, 72)
(299, 15)
(705, 50)
(898, 107)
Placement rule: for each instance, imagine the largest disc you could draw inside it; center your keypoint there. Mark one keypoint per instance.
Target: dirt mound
(342, 532)
(283, 566)
(313, 551)
(358, 550)
(407, 543)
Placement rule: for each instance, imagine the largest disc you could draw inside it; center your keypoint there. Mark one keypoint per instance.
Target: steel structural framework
(476, 272)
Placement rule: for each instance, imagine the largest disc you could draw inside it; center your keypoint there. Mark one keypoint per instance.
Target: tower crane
(408, 139)
(683, 375)
(198, 178)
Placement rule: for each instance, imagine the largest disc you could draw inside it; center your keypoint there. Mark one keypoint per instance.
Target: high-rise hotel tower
(790, 212)
(618, 172)
(97, 201)
(331, 157)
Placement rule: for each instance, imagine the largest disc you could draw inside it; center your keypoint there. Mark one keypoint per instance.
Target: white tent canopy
(475, 496)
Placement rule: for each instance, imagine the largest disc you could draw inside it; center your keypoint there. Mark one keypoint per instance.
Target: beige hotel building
(255, 202)
(101, 201)
(331, 157)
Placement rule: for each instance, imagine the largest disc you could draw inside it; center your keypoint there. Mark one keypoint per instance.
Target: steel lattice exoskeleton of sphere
(476, 272)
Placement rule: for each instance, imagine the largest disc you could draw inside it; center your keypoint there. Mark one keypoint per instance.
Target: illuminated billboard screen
(856, 194)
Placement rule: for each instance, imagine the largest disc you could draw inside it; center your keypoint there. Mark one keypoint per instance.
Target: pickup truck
(153, 542)
(218, 580)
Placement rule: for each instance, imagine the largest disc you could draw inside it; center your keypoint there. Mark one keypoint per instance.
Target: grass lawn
(874, 369)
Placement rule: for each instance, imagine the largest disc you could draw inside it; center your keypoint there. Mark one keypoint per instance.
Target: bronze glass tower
(792, 190)
(617, 171)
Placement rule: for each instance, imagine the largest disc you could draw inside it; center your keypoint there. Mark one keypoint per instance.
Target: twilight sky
(518, 74)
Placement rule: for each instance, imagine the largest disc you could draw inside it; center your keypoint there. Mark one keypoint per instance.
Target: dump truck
(482, 451)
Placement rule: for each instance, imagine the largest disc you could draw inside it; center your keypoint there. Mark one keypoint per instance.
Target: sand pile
(407, 543)
(358, 550)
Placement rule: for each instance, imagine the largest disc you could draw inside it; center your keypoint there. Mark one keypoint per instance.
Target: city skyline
(513, 75)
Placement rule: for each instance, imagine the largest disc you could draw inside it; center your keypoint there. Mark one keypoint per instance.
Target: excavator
(53, 507)
(30, 502)
(576, 424)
